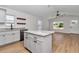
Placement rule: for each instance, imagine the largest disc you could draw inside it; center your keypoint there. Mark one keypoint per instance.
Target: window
(58, 25)
(10, 19)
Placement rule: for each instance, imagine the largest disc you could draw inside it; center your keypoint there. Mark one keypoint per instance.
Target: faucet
(11, 26)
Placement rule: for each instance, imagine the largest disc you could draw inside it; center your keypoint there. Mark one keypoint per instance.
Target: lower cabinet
(9, 37)
(2, 39)
(29, 43)
(38, 44)
(39, 47)
(32, 44)
(26, 42)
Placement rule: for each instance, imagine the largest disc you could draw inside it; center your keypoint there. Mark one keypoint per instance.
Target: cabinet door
(33, 45)
(27, 43)
(2, 39)
(39, 47)
(36, 44)
(15, 36)
(8, 37)
(12, 37)
(5, 38)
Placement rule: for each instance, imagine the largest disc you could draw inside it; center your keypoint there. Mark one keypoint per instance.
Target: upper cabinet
(2, 15)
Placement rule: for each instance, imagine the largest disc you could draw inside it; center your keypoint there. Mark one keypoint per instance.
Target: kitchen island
(38, 41)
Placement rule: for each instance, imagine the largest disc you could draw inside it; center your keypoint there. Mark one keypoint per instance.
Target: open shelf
(21, 23)
(18, 18)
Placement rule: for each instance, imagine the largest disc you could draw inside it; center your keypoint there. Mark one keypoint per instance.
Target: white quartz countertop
(41, 33)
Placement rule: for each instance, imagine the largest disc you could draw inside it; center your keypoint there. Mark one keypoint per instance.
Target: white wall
(30, 19)
(66, 19)
(31, 22)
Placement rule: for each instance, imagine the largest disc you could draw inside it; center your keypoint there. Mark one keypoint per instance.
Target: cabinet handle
(35, 41)
(13, 33)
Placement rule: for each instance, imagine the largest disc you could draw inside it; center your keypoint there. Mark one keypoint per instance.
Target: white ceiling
(45, 10)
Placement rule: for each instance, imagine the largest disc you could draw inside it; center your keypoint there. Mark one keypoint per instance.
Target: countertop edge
(40, 34)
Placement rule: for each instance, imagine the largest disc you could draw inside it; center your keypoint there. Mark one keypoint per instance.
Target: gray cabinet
(38, 47)
(27, 41)
(2, 39)
(9, 37)
(38, 44)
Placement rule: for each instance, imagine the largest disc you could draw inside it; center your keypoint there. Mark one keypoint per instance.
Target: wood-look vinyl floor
(14, 48)
(62, 43)
(65, 43)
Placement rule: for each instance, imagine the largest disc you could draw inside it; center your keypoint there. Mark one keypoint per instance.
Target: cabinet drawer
(32, 36)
